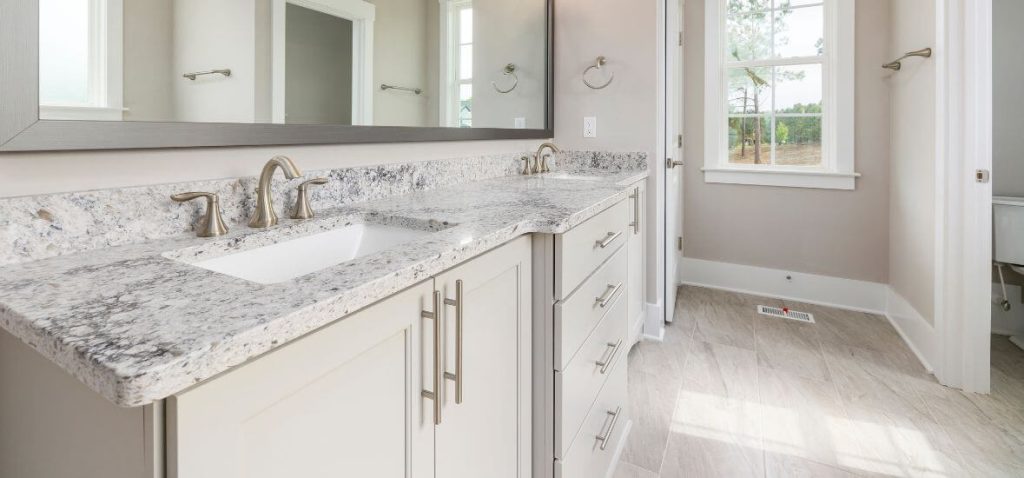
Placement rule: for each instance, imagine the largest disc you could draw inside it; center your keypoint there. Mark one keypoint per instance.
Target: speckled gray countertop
(137, 323)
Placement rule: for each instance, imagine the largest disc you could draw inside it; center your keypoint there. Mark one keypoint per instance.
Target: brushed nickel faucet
(302, 208)
(264, 215)
(541, 161)
(211, 224)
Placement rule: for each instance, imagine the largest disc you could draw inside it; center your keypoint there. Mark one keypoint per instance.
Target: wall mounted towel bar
(192, 76)
(385, 87)
(897, 64)
(598, 65)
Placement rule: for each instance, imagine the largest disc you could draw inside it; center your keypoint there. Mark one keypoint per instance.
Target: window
(779, 100)
(458, 67)
(80, 59)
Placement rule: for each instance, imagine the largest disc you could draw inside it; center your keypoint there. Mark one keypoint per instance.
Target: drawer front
(578, 315)
(586, 458)
(580, 251)
(578, 385)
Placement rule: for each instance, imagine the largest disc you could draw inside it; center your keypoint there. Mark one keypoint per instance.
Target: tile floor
(730, 393)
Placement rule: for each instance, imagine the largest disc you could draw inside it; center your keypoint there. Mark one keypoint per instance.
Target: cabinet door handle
(604, 437)
(457, 376)
(435, 395)
(605, 363)
(609, 239)
(636, 210)
(609, 293)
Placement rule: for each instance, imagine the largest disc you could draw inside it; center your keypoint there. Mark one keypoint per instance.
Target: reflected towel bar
(897, 64)
(192, 76)
(385, 87)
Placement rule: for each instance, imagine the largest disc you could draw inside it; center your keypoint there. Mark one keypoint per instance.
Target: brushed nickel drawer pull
(604, 437)
(636, 210)
(609, 239)
(604, 364)
(457, 376)
(435, 394)
(609, 294)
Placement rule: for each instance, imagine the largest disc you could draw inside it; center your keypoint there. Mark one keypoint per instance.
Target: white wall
(149, 73)
(1008, 70)
(912, 193)
(841, 234)
(400, 53)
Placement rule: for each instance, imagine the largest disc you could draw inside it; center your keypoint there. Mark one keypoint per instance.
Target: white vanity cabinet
(636, 247)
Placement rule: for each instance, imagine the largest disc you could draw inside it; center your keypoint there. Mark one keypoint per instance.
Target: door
(343, 401)
(674, 151)
(485, 420)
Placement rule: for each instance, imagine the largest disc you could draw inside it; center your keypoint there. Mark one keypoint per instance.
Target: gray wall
(1008, 107)
(833, 233)
(400, 53)
(148, 70)
(319, 70)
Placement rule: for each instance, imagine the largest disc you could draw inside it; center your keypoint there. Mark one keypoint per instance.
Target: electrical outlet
(520, 123)
(590, 127)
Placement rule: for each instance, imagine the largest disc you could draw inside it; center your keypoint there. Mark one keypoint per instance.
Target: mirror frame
(22, 130)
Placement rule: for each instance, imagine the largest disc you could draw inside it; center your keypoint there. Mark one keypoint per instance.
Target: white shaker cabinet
(635, 250)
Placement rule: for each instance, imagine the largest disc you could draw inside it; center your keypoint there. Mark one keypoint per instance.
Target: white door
(485, 427)
(674, 151)
(343, 401)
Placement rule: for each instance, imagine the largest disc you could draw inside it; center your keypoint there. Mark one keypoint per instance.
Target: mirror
(420, 63)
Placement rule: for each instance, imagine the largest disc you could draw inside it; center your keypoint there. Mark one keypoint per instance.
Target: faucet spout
(264, 216)
(541, 162)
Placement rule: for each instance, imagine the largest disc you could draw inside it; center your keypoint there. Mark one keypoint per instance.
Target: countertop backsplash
(38, 227)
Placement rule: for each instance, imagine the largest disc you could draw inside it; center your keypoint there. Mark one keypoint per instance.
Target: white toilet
(1008, 238)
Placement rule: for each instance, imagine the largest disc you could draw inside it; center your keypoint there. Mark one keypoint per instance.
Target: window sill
(90, 113)
(782, 178)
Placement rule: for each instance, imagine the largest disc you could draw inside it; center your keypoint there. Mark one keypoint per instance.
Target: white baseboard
(829, 291)
(654, 322)
(919, 335)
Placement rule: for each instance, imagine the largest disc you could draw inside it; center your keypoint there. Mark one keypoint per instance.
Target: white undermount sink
(571, 177)
(297, 257)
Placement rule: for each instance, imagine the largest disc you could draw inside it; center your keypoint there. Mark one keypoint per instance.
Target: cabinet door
(343, 401)
(636, 260)
(485, 432)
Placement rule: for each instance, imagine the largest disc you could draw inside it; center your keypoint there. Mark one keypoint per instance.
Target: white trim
(849, 294)
(362, 15)
(449, 110)
(654, 322)
(816, 179)
(86, 113)
(916, 332)
(838, 119)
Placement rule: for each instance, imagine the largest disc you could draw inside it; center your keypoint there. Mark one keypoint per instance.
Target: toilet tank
(1008, 230)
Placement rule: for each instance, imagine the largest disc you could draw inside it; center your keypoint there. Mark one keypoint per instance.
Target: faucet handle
(527, 170)
(302, 208)
(211, 224)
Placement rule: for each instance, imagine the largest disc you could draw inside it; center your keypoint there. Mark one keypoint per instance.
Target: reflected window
(80, 59)
(459, 47)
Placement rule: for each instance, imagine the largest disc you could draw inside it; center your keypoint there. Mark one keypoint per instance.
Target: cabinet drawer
(577, 386)
(581, 312)
(580, 251)
(586, 458)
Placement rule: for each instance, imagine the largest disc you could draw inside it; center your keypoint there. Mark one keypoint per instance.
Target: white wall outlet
(520, 123)
(590, 127)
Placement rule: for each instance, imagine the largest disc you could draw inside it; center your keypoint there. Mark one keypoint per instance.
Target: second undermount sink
(293, 258)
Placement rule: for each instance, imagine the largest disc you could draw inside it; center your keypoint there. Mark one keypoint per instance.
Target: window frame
(451, 60)
(838, 149)
(106, 67)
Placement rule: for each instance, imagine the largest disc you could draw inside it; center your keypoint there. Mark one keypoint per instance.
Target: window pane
(749, 37)
(465, 62)
(466, 25)
(64, 52)
(798, 89)
(749, 140)
(800, 32)
(798, 141)
(749, 90)
(465, 105)
(739, 6)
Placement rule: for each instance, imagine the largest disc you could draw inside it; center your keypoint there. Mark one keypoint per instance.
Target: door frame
(362, 15)
(964, 204)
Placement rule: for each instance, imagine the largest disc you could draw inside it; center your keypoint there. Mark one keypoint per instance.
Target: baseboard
(850, 294)
(918, 334)
(654, 322)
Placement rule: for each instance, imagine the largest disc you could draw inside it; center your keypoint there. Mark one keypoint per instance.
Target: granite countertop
(137, 323)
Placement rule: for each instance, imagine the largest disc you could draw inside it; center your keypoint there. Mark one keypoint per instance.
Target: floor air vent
(785, 313)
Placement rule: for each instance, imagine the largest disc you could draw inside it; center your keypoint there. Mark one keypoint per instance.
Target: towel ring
(601, 61)
(510, 70)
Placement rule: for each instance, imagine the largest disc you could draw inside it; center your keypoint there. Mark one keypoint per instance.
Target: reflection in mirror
(449, 63)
